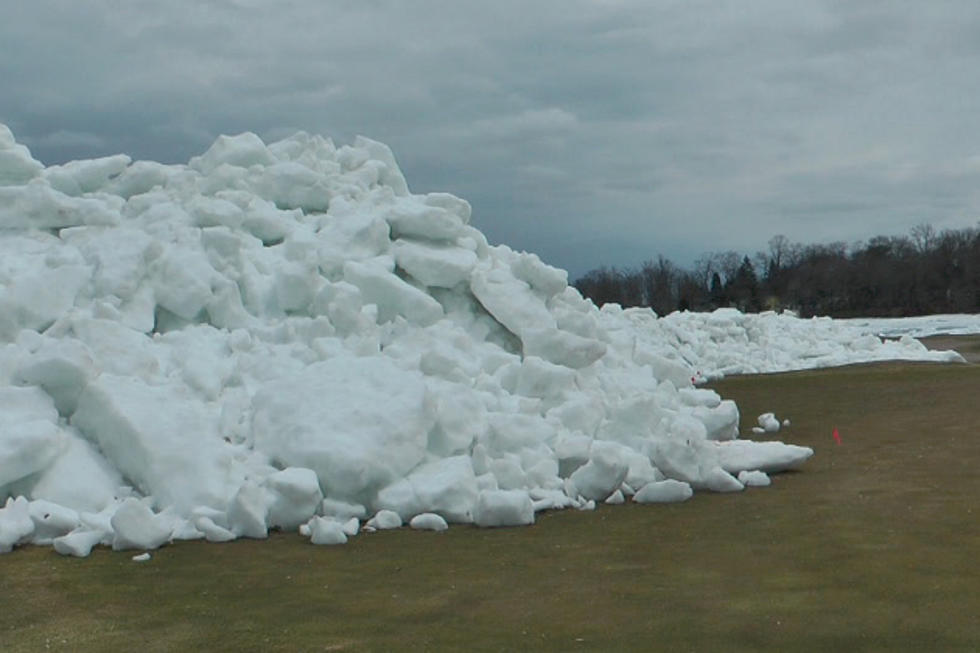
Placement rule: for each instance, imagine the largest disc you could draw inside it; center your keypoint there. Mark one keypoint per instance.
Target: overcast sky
(593, 132)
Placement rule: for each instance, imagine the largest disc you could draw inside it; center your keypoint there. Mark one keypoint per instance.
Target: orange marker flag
(836, 435)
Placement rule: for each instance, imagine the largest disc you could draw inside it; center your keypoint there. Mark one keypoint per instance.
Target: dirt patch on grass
(872, 546)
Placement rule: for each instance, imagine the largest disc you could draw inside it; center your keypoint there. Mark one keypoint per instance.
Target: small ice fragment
(616, 498)
(428, 521)
(754, 478)
(324, 530)
(385, 519)
(769, 422)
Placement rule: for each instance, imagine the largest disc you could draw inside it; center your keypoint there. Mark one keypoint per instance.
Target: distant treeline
(923, 273)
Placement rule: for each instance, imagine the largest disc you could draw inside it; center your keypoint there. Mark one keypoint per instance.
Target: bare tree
(660, 284)
(924, 236)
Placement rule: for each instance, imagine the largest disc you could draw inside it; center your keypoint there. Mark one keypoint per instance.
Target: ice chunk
(326, 531)
(616, 498)
(39, 281)
(291, 185)
(547, 280)
(118, 349)
(392, 295)
(16, 525)
(351, 527)
(512, 431)
(342, 510)
(391, 176)
(641, 470)
(242, 150)
(141, 177)
(213, 532)
(503, 508)
(78, 543)
(88, 176)
(754, 478)
(544, 380)
(184, 529)
(745, 455)
(717, 479)
(768, 422)
(38, 206)
(249, 510)
(683, 456)
(550, 499)
(510, 300)
(79, 478)
(136, 527)
(412, 218)
(508, 472)
(267, 222)
(668, 491)
(699, 397)
(720, 421)
(215, 212)
(433, 264)
(462, 418)
(447, 487)
(30, 438)
(359, 423)
(572, 452)
(17, 166)
(350, 234)
(385, 520)
(601, 476)
(182, 282)
(428, 521)
(164, 441)
(296, 495)
(562, 347)
(62, 368)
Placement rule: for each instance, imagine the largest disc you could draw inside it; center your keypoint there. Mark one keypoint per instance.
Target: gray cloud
(592, 132)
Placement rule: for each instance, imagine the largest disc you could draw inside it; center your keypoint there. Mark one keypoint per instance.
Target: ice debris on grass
(754, 479)
(727, 342)
(428, 521)
(283, 336)
(920, 326)
(769, 423)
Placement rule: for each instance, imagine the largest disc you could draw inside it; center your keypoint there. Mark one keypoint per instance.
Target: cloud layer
(592, 132)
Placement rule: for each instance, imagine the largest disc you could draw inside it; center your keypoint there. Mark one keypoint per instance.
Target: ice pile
(919, 326)
(283, 336)
(727, 341)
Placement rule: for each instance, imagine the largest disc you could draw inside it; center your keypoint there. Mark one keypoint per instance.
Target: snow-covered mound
(283, 336)
(728, 342)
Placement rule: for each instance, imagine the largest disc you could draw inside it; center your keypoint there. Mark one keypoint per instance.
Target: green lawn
(872, 546)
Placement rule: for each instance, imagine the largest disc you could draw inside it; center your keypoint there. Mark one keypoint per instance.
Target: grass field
(873, 546)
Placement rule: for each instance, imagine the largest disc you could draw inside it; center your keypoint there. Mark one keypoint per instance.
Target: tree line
(925, 272)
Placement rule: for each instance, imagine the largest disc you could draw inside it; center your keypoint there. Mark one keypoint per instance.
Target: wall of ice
(283, 336)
